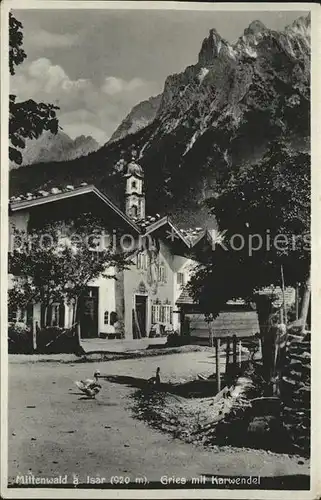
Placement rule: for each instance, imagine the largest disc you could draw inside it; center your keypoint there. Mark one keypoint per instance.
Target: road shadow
(191, 389)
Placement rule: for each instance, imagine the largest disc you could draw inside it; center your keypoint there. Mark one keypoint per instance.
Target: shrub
(19, 339)
(176, 340)
(56, 340)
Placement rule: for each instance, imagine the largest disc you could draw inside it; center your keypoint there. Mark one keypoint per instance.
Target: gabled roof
(210, 236)
(145, 226)
(42, 198)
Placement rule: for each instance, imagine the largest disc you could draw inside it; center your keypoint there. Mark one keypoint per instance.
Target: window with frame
(180, 279)
(166, 314)
(156, 313)
(56, 315)
(162, 274)
(145, 260)
(142, 261)
(106, 317)
(162, 313)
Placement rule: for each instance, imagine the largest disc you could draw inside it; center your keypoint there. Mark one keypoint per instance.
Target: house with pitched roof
(142, 300)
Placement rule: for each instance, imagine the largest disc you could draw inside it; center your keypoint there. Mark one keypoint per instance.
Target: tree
(27, 119)
(55, 265)
(263, 210)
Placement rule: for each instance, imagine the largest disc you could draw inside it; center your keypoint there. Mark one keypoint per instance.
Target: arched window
(134, 185)
(134, 211)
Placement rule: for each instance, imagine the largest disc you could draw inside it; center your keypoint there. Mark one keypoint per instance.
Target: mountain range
(215, 116)
(56, 147)
(140, 116)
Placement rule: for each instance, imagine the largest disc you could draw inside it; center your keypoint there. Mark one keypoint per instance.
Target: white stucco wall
(185, 266)
(106, 300)
(168, 291)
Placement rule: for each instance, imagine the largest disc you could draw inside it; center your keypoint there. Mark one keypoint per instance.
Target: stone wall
(295, 392)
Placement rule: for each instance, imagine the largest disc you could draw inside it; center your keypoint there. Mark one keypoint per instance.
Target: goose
(155, 380)
(90, 387)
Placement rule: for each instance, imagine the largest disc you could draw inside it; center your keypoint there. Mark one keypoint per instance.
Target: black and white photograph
(157, 286)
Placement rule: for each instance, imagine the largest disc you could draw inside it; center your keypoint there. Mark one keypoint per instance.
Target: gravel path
(52, 431)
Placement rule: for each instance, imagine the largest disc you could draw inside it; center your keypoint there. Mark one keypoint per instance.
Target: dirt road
(53, 432)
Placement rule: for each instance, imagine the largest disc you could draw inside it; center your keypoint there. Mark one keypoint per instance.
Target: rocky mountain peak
(211, 48)
(140, 117)
(300, 26)
(215, 116)
(254, 28)
(56, 148)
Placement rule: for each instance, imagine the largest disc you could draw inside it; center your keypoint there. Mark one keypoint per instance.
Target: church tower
(134, 192)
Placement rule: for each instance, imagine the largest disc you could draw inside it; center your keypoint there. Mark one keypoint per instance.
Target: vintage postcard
(159, 231)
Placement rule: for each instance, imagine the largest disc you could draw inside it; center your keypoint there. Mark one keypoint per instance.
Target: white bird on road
(90, 387)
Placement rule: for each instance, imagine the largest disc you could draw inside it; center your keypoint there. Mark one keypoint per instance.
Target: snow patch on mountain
(191, 143)
(202, 74)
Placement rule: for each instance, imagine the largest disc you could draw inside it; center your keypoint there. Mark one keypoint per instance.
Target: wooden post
(217, 361)
(234, 351)
(181, 321)
(228, 346)
(211, 333)
(240, 353)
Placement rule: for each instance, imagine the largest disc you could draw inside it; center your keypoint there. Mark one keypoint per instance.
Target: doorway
(88, 313)
(139, 320)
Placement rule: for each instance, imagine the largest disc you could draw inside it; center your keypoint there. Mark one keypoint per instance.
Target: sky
(97, 64)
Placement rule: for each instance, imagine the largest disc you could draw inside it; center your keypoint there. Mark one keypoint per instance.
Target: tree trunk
(217, 363)
(45, 316)
(42, 312)
(305, 303)
(76, 321)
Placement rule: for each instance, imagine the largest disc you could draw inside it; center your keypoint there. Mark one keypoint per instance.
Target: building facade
(141, 301)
